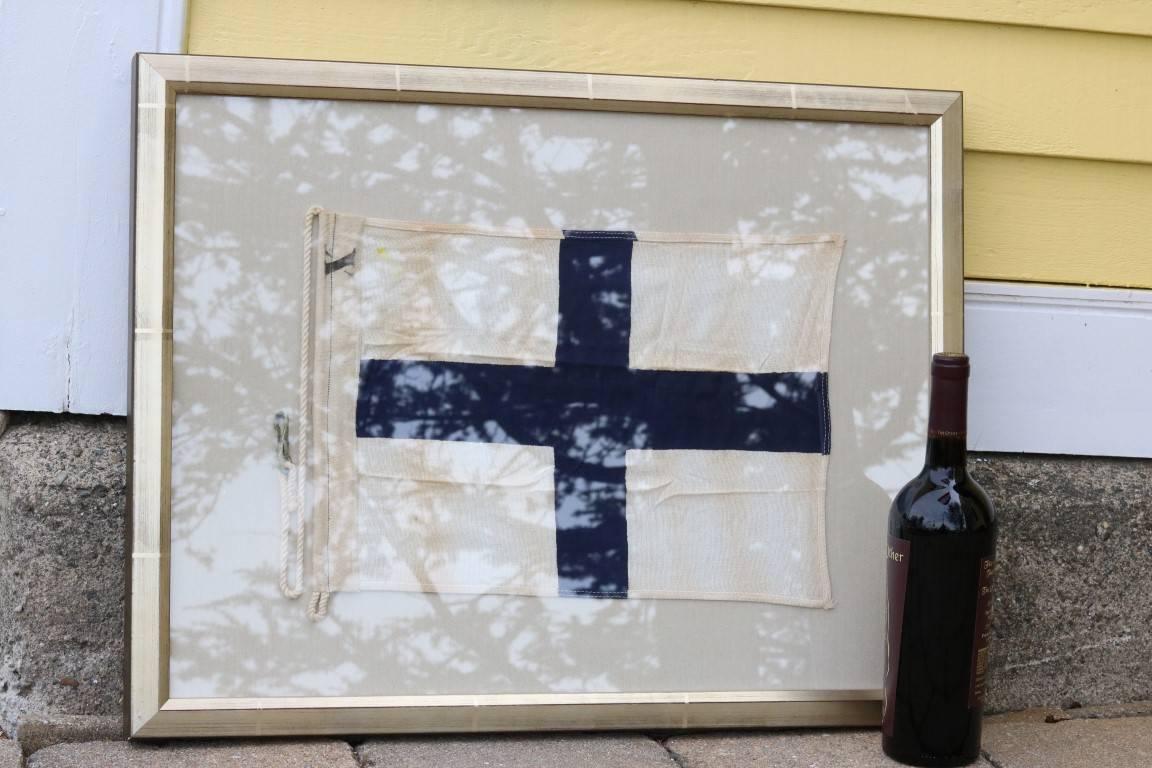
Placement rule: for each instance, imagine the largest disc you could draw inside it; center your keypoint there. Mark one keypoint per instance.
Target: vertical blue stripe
(591, 528)
(595, 298)
(593, 329)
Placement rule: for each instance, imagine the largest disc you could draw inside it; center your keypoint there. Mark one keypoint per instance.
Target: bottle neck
(948, 423)
(947, 452)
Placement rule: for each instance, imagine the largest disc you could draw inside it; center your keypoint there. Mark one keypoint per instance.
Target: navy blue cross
(591, 408)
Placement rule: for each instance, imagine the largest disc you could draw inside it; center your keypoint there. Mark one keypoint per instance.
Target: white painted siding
(1057, 369)
(65, 157)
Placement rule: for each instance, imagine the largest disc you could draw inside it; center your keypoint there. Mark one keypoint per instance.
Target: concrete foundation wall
(61, 566)
(1073, 607)
(1073, 614)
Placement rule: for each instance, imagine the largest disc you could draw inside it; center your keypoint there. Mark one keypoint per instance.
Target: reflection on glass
(247, 169)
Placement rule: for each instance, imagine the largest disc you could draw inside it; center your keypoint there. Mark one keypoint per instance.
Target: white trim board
(65, 160)
(1059, 369)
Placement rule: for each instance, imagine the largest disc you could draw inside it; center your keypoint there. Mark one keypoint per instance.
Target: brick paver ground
(623, 751)
(1091, 743)
(191, 754)
(9, 754)
(789, 749)
(1049, 738)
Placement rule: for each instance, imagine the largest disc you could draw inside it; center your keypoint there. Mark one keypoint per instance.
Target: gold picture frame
(159, 81)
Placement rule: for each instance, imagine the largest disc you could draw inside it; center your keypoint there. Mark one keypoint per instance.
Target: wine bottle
(941, 550)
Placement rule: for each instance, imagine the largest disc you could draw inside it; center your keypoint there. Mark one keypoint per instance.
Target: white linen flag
(576, 413)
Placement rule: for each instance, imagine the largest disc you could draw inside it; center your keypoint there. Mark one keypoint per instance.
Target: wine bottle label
(982, 635)
(898, 550)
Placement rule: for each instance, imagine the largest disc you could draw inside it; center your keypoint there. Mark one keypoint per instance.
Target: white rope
(305, 427)
(293, 474)
(288, 502)
(318, 605)
(318, 602)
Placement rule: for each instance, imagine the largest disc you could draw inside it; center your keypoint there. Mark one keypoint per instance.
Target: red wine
(941, 548)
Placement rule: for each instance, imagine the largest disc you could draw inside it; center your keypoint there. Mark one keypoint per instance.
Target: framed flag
(481, 400)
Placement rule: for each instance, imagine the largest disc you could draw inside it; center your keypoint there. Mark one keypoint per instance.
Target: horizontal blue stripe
(593, 414)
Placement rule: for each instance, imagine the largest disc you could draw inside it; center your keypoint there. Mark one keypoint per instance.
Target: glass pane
(248, 171)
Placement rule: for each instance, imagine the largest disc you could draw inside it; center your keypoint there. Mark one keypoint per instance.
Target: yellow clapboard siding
(1126, 17)
(1060, 221)
(1029, 91)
